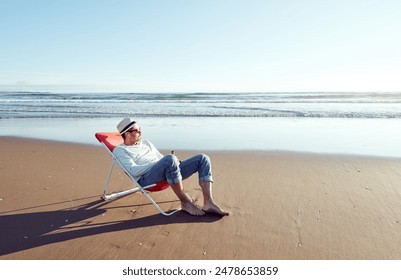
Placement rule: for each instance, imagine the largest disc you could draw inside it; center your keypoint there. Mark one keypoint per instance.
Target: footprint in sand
(297, 228)
(165, 234)
(148, 244)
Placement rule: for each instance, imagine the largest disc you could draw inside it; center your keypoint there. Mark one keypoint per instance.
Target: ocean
(366, 123)
(304, 104)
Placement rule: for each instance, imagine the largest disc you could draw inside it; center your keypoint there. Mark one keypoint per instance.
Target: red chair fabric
(110, 139)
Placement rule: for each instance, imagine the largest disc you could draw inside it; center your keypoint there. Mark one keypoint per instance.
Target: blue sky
(200, 46)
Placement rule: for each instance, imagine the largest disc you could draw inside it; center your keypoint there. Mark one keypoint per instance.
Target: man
(147, 165)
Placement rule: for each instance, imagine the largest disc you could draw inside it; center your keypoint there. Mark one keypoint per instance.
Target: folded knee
(204, 157)
(171, 160)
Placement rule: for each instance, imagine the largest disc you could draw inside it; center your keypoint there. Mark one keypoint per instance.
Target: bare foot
(191, 209)
(213, 208)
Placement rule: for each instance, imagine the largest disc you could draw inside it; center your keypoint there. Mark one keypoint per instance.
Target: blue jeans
(170, 169)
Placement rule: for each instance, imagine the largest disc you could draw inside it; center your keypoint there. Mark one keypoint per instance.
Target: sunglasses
(134, 130)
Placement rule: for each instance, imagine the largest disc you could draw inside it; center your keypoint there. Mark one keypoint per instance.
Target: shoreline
(214, 151)
(331, 136)
(283, 205)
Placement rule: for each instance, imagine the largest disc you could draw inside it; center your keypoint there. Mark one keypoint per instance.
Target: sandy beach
(282, 206)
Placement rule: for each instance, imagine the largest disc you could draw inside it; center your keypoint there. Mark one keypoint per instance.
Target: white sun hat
(125, 124)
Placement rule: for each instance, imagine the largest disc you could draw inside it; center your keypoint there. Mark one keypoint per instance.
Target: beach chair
(110, 140)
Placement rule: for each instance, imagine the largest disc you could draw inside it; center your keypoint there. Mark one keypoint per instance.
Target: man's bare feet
(215, 209)
(191, 209)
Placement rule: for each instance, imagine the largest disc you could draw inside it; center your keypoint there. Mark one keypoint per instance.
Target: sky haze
(200, 46)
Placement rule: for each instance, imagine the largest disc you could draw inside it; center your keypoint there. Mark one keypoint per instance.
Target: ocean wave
(301, 105)
(268, 113)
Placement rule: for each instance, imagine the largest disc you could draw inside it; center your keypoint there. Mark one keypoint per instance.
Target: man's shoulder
(146, 142)
(117, 149)
(123, 147)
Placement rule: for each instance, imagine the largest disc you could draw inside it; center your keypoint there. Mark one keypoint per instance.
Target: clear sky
(200, 46)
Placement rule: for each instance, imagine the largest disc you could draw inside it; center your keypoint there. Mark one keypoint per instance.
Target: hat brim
(131, 124)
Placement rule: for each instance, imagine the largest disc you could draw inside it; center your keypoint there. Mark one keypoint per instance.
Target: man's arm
(155, 150)
(126, 160)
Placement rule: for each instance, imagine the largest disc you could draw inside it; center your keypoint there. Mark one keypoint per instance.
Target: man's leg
(168, 169)
(209, 205)
(186, 202)
(202, 164)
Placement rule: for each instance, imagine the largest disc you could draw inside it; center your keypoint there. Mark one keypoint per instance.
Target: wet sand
(282, 206)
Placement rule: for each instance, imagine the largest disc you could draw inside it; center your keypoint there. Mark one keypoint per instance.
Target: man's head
(124, 125)
(129, 130)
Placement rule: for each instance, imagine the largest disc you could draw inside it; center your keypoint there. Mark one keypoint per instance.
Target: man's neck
(131, 143)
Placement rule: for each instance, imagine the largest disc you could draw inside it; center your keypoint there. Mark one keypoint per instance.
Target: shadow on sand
(29, 230)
